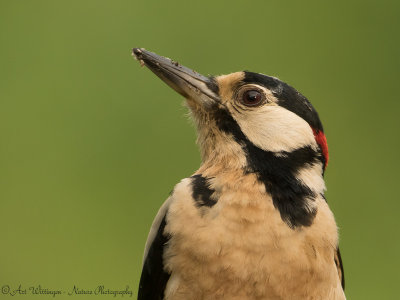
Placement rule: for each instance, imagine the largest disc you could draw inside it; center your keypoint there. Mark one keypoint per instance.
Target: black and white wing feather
(154, 278)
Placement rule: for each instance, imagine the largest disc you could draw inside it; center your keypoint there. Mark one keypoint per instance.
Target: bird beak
(185, 81)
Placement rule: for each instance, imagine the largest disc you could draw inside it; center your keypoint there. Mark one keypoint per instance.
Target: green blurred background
(91, 144)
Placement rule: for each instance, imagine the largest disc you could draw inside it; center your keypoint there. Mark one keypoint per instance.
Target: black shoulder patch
(154, 278)
(202, 191)
(276, 172)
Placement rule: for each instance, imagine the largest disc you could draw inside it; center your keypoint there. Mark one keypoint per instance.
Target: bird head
(256, 124)
(242, 108)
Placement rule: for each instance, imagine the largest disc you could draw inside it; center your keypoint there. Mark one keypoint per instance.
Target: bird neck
(294, 180)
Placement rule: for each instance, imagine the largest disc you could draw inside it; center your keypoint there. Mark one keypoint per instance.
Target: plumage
(252, 222)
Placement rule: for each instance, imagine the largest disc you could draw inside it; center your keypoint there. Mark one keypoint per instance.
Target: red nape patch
(321, 141)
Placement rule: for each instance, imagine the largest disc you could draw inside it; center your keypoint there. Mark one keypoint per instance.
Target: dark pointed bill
(185, 81)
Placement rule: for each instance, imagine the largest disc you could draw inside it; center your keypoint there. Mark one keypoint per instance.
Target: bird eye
(252, 98)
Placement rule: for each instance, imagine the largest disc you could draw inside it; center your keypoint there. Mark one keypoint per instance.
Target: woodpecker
(252, 222)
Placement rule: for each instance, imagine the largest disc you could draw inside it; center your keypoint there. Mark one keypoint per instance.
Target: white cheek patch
(274, 128)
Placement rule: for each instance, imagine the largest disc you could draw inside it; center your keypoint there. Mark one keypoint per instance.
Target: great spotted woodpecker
(252, 222)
